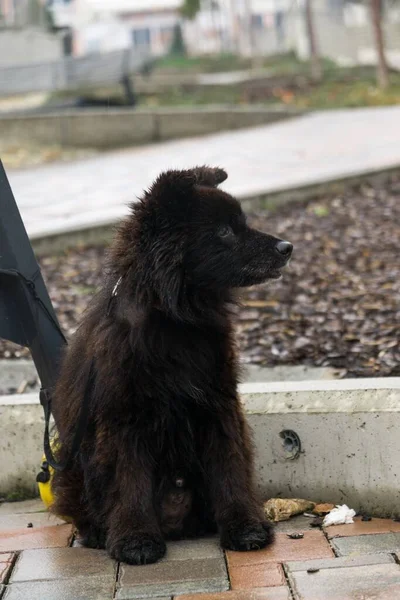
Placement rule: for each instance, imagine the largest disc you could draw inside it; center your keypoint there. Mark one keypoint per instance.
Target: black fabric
(45, 395)
(30, 284)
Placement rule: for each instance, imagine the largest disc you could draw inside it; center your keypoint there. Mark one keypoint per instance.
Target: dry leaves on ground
(337, 305)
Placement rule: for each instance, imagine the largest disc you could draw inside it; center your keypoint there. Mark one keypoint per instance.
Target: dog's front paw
(139, 549)
(247, 536)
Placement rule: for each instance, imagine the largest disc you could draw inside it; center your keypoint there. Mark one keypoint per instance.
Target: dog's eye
(225, 231)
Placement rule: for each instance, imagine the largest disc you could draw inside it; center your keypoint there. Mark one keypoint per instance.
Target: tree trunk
(249, 29)
(234, 28)
(216, 25)
(382, 76)
(316, 69)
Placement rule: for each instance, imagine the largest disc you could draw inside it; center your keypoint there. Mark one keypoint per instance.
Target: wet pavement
(39, 561)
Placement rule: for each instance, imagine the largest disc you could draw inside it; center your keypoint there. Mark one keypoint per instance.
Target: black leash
(45, 401)
(45, 394)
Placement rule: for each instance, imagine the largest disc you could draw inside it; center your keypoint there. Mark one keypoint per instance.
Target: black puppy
(167, 452)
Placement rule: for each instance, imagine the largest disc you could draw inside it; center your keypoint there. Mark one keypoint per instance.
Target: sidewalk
(311, 149)
(360, 561)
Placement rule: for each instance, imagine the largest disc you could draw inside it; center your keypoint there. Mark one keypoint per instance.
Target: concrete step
(254, 373)
(347, 430)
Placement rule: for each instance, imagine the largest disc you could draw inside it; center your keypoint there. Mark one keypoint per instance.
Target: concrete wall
(349, 433)
(21, 442)
(349, 441)
(126, 127)
(347, 38)
(28, 46)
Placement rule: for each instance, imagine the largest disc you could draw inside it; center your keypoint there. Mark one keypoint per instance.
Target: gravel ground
(337, 305)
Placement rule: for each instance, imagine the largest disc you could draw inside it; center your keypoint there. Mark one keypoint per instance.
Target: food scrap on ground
(323, 509)
(295, 536)
(281, 509)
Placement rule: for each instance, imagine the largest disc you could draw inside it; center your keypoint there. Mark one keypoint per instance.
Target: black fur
(167, 452)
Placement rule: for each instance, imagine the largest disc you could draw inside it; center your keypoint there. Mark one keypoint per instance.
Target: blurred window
(141, 37)
(257, 21)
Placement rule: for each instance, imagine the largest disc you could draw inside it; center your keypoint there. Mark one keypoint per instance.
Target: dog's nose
(284, 248)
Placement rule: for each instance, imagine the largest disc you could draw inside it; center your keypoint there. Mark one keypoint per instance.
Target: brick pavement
(310, 149)
(346, 562)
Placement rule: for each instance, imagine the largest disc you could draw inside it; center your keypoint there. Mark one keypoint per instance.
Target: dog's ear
(168, 280)
(181, 182)
(209, 176)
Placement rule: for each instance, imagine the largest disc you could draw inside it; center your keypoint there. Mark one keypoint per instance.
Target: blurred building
(20, 13)
(240, 26)
(24, 34)
(106, 25)
(344, 31)
(245, 27)
(220, 26)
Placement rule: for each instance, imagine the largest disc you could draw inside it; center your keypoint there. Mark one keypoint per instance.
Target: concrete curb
(21, 374)
(102, 231)
(348, 430)
(119, 128)
(275, 198)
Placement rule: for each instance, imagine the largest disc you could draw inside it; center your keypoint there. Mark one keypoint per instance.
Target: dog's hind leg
(92, 536)
(92, 526)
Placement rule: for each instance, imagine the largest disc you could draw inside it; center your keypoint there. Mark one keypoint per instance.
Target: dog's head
(189, 233)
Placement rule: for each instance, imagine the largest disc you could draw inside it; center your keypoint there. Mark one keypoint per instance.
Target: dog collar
(114, 294)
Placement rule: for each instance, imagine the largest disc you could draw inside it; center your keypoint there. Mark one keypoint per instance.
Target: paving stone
(186, 549)
(366, 544)
(294, 524)
(172, 577)
(342, 561)
(276, 593)
(198, 549)
(344, 580)
(62, 563)
(26, 506)
(89, 588)
(253, 576)
(6, 560)
(363, 527)
(313, 545)
(42, 537)
(20, 521)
